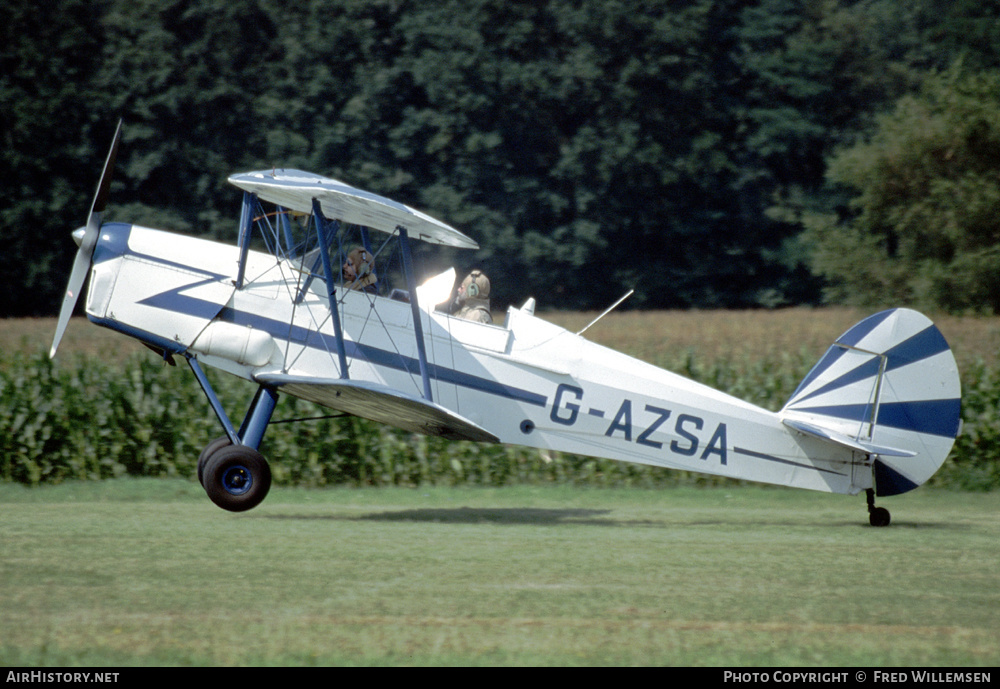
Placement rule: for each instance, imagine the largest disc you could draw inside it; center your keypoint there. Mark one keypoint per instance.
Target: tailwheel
(877, 516)
(236, 478)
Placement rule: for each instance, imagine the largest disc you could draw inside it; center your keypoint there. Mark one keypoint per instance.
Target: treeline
(591, 146)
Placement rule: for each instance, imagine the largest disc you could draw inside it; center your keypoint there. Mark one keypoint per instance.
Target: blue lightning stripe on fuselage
(200, 308)
(114, 243)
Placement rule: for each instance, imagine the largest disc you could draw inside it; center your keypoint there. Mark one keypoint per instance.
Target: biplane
(878, 413)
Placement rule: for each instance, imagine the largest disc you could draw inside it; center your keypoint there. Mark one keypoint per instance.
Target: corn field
(87, 417)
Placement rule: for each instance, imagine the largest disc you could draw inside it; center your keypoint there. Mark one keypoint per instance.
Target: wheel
(237, 478)
(878, 516)
(209, 450)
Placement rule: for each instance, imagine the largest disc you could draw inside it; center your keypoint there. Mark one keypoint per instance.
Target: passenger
(358, 271)
(472, 301)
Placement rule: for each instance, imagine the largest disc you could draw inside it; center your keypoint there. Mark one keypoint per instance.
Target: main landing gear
(236, 477)
(877, 516)
(231, 470)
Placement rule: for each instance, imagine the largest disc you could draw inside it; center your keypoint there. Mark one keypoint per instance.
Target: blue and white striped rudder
(890, 380)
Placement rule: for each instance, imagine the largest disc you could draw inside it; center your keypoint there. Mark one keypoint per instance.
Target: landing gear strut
(231, 470)
(877, 516)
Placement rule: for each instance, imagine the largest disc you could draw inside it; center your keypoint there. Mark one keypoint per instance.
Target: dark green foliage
(590, 146)
(973, 464)
(91, 419)
(48, 56)
(924, 228)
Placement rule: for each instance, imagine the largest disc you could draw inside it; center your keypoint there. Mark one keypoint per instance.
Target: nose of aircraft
(87, 239)
(112, 242)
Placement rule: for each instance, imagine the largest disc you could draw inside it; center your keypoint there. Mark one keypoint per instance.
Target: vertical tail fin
(890, 381)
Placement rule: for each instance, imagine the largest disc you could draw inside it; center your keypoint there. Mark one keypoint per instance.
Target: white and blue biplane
(878, 414)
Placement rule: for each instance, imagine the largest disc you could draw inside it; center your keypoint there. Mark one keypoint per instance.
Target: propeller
(86, 238)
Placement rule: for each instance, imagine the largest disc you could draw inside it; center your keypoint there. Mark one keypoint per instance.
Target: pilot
(472, 301)
(358, 271)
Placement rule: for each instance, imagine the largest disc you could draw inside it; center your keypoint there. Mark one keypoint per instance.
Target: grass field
(148, 572)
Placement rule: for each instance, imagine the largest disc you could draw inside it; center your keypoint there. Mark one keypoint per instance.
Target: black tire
(237, 478)
(207, 453)
(878, 516)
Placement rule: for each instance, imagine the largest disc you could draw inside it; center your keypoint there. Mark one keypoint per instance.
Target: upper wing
(295, 190)
(379, 403)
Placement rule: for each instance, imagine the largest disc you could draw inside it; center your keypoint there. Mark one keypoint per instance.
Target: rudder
(890, 380)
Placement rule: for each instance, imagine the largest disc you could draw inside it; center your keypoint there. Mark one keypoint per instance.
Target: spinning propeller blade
(81, 264)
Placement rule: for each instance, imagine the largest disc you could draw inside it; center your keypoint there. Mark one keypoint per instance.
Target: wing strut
(331, 286)
(246, 230)
(418, 329)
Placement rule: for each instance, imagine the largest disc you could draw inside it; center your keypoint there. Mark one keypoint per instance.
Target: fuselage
(527, 381)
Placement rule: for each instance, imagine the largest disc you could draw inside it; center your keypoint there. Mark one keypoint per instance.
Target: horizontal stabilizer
(847, 441)
(379, 403)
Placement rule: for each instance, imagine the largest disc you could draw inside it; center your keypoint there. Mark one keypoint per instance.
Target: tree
(923, 221)
(49, 134)
(590, 146)
(185, 75)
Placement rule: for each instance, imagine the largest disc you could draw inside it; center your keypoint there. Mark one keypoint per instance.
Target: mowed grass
(149, 572)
